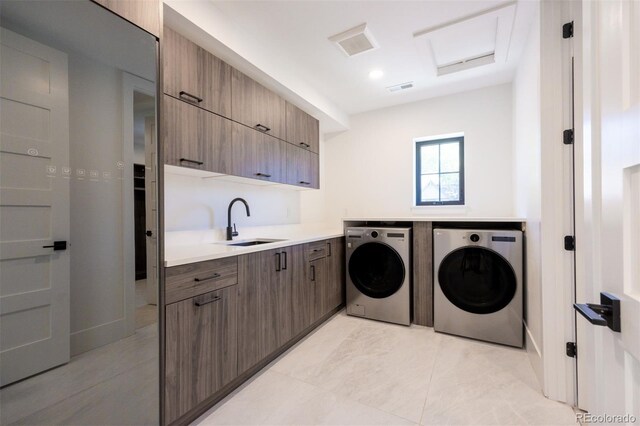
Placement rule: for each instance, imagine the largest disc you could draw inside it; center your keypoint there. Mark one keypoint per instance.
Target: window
(440, 171)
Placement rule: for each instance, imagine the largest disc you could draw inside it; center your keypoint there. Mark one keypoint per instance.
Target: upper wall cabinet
(256, 106)
(257, 156)
(302, 129)
(143, 13)
(302, 167)
(195, 75)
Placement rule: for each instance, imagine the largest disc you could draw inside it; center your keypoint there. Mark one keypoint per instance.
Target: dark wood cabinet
(302, 129)
(317, 276)
(256, 106)
(195, 138)
(335, 272)
(303, 168)
(143, 13)
(257, 155)
(301, 290)
(194, 75)
(201, 349)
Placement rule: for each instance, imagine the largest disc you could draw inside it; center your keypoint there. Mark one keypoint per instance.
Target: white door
(609, 361)
(151, 213)
(34, 207)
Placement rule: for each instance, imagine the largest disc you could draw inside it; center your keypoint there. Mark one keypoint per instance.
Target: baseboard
(535, 356)
(94, 337)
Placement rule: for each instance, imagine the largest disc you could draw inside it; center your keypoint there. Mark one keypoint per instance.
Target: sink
(254, 242)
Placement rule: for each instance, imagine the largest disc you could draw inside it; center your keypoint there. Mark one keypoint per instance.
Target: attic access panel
(469, 42)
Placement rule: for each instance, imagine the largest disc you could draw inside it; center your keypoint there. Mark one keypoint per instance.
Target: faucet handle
(235, 231)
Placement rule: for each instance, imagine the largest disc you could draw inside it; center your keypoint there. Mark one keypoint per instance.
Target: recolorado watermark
(605, 418)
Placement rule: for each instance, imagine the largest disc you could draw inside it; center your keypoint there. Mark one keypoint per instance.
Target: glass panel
(450, 187)
(429, 159)
(376, 270)
(430, 188)
(450, 157)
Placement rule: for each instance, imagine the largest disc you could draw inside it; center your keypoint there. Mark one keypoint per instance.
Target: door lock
(57, 245)
(606, 313)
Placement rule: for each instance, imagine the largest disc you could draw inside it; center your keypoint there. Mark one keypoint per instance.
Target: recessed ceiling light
(375, 74)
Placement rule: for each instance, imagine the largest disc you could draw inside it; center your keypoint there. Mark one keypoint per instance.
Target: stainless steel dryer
(478, 284)
(379, 273)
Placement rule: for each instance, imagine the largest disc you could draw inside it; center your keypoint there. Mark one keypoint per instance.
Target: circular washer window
(477, 280)
(376, 269)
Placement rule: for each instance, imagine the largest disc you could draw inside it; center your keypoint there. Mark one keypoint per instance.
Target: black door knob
(149, 233)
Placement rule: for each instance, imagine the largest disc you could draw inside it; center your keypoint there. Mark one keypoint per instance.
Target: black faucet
(232, 232)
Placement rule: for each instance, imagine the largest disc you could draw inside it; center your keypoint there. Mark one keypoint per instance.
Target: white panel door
(608, 361)
(34, 207)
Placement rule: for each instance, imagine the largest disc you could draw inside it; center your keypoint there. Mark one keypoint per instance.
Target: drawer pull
(302, 182)
(313, 273)
(267, 175)
(262, 128)
(189, 97)
(305, 145)
(214, 276)
(203, 301)
(186, 160)
(317, 250)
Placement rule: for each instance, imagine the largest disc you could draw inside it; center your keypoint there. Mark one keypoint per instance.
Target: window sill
(439, 210)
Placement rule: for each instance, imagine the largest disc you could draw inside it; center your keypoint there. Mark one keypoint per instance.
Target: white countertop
(182, 247)
(427, 218)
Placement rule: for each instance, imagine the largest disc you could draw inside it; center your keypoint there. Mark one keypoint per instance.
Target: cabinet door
(271, 295)
(302, 130)
(214, 79)
(270, 158)
(143, 13)
(249, 327)
(301, 289)
(256, 155)
(335, 272)
(256, 106)
(216, 137)
(302, 167)
(317, 275)
(201, 349)
(181, 135)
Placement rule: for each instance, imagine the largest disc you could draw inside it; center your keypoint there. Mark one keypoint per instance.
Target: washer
(478, 284)
(379, 274)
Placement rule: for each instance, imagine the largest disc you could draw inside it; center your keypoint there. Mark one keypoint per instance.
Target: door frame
(130, 84)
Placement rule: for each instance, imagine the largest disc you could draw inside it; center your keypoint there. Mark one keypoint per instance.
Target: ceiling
(297, 32)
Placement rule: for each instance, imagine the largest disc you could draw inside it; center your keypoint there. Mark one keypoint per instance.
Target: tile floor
(353, 371)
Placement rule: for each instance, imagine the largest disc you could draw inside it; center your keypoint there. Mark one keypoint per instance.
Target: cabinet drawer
(190, 280)
(316, 250)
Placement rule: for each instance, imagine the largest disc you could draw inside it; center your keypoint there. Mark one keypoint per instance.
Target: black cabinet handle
(607, 313)
(262, 128)
(313, 273)
(186, 160)
(329, 251)
(267, 175)
(189, 97)
(302, 182)
(214, 276)
(278, 262)
(206, 300)
(284, 256)
(317, 250)
(57, 245)
(306, 145)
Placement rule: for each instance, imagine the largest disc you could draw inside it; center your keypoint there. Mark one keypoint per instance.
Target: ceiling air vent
(355, 41)
(401, 86)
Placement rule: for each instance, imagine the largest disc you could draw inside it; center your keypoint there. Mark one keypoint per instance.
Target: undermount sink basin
(253, 242)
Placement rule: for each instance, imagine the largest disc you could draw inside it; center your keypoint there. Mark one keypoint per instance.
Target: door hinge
(567, 137)
(572, 349)
(567, 30)
(569, 242)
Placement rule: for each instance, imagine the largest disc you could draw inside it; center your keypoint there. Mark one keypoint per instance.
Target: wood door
(302, 130)
(201, 349)
(608, 245)
(183, 145)
(302, 167)
(301, 289)
(244, 143)
(214, 80)
(248, 311)
(143, 13)
(215, 135)
(335, 274)
(270, 158)
(317, 275)
(270, 296)
(34, 207)
(256, 106)
(288, 277)
(181, 67)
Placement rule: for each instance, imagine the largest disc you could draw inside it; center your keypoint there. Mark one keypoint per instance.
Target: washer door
(376, 269)
(477, 280)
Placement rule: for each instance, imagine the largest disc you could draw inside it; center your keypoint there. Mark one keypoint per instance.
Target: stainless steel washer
(478, 284)
(379, 273)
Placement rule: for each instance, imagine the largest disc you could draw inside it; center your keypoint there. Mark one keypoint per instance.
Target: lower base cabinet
(201, 349)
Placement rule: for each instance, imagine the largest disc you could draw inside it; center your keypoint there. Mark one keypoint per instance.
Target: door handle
(278, 263)
(201, 301)
(305, 145)
(607, 313)
(303, 182)
(149, 233)
(186, 160)
(329, 253)
(57, 245)
(284, 258)
(313, 273)
(262, 128)
(260, 174)
(189, 97)
(212, 277)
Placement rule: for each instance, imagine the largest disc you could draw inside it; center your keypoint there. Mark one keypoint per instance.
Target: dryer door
(477, 280)
(376, 269)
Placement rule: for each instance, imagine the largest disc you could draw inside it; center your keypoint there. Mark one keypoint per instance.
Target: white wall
(369, 168)
(527, 183)
(195, 203)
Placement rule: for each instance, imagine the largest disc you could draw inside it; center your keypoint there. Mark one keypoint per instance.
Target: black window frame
(418, 177)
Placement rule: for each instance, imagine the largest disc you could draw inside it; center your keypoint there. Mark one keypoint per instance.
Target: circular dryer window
(376, 269)
(477, 280)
